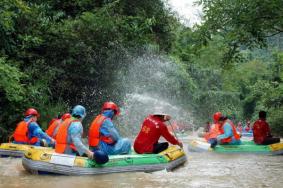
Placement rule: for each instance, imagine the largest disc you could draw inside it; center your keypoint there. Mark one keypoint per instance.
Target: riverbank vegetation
(57, 53)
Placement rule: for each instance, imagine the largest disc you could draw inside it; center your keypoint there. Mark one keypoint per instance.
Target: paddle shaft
(173, 130)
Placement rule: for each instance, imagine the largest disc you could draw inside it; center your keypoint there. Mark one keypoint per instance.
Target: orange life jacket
(51, 129)
(235, 134)
(94, 134)
(21, 133)
(213, 131)
(62, 136)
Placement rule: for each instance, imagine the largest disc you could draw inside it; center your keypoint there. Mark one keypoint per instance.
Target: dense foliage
(58, 53)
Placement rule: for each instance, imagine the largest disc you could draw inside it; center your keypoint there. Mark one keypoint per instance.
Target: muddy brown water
(201, 170)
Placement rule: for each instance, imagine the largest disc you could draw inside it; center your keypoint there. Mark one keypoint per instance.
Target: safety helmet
(79, 110)
(100, 157)
(111, 106)
(65, 116)
(217, 116)
(32, 111)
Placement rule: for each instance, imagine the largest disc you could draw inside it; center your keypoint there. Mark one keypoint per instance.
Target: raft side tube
(247, 147)
(37, 167)
(39, 161)
(17, 150)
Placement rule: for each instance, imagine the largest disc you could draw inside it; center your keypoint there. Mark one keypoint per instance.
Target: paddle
(173, 130)
(181, 144)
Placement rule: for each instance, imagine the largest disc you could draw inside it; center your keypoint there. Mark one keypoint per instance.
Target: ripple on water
(201, 170)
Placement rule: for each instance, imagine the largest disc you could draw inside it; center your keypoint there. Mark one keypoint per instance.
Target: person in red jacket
(261, 131)
(152, 128)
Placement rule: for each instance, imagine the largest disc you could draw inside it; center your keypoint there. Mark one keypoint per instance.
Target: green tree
(242, 22)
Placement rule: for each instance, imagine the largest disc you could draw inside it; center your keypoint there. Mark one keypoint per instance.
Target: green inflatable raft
(46, 161)
(245, 147)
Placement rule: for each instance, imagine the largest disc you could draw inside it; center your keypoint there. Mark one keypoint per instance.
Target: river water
(201, 170)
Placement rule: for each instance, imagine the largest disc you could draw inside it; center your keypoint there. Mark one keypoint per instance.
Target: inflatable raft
(245, 147)
(16, 150)
(45, 162)
(247, 134)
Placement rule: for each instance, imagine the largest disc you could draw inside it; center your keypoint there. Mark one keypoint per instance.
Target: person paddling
(152, 129)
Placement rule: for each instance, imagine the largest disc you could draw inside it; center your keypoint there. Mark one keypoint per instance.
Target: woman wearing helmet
(103, 134)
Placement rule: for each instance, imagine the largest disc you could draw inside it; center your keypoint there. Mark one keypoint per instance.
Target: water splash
(152, 83)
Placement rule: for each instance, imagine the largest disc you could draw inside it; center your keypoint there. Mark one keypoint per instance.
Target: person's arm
(108, 129)
(167, 135)
(75, 132)
(38, 132)
(228, 132)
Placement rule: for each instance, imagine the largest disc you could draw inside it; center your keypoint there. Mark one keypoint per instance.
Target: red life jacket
(53, 126)
(235, 134)
(94, 134)
(21, 133)
(62, 136)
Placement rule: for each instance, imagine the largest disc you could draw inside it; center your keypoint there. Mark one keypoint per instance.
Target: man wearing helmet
(152, 129)
(69, 137)
(29, 132)
(103, 134)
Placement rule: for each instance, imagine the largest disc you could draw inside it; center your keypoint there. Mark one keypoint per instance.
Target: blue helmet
(79, 110)
(100, 157)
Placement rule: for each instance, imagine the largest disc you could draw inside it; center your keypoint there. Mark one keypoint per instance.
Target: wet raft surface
(201, 170)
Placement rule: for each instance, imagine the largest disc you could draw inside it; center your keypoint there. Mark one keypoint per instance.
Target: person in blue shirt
(103, 134)
(228, 133)
(29, 132)
(69, 138)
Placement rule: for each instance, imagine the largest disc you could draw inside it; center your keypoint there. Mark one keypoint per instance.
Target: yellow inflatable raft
(16, 150)
(46, 161)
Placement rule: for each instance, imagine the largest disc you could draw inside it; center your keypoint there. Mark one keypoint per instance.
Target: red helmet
(112, 106)
(32, 111)
(66, 116)
(217, 116)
